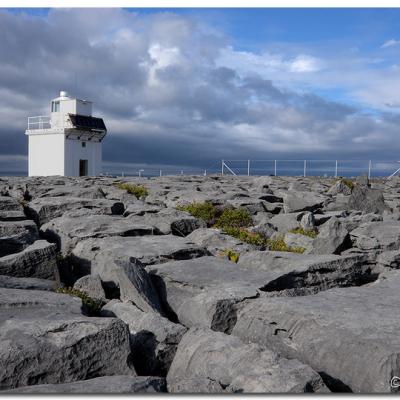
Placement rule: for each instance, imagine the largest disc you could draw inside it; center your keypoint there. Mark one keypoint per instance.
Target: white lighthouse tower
(68, 142)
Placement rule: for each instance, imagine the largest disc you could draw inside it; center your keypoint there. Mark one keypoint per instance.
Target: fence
(325, 168)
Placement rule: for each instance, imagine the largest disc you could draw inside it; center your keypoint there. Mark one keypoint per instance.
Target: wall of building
(72, 106)
(46, 154)
(75, 152)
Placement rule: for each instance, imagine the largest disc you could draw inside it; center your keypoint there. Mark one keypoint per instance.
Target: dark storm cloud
(155, 80)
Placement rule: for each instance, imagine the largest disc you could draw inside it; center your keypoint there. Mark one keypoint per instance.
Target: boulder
(120, 263)
(298, 240)
(333, 238)
(117, 384)
(45, 339)
(16, 236)
(389, 259)
(348, 335)
(302, 201)
(286, 273)
(206, 291)
(140, 208)
(203, 290)
(39, 260)
(307, 221)
(74, 227)
(154, 339)
(91, 285)
(285, 222)
(367, 200)
(321, 218)
(43, 210)
(382, 236)
(170, 221)
(216, 242)
(238, 367)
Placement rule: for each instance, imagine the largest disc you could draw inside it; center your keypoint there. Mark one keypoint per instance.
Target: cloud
(390, 43)
(173, 92)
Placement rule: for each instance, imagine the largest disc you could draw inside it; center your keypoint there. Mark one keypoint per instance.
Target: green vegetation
(230, 254)
(92, 305)
(244, 235)
(23, 202)
(300, 231)
(234, 218)
(278, 244)
(204, 211)
(139, 191)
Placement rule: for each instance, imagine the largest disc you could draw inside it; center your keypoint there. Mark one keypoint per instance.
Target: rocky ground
(107, 289)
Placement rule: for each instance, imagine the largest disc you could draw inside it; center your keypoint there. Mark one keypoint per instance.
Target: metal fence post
(369, 169)
(248, 167)
(336, 170)
(275, 167)
(160, 172)
(222, 166)
(305, 168)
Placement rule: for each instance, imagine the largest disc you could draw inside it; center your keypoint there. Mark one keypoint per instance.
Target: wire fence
(323, 168)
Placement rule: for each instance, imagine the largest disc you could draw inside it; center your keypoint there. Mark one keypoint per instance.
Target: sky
(189, 87)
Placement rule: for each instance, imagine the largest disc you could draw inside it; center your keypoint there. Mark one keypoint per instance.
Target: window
(83, 144)
(55, 106)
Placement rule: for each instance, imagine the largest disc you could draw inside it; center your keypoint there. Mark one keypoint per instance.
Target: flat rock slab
(381, 235)
(72, 228)
(9, 204)
(237, 367)
(27, 283)
(120, 262)
(39, 260)
(43, 342)
(45, 209)
(15, 301)
(206, 291)
(294, 201)
(143, 250)
(169, 221)
(117, 384)
(16, 236)
(348, 335)
(287, 273)
(154, 339)
(12, 215)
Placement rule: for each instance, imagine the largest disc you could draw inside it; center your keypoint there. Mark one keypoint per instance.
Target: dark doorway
(83, 167)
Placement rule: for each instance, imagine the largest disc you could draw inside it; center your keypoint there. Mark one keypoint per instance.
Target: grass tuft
(92, 305)
(348, 182)
(140, 191)
(230, 254)
(244, 235)
(278, 244)
(204, 211)
(234, 218)
(300, 231)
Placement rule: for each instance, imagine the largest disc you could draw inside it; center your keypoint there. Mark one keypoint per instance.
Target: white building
(68, 142)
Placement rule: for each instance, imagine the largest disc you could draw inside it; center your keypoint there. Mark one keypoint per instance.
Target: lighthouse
(68, 142)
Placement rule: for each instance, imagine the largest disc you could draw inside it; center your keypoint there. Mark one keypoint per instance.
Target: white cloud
(305, 63)
(390, 43)
(267, 63)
